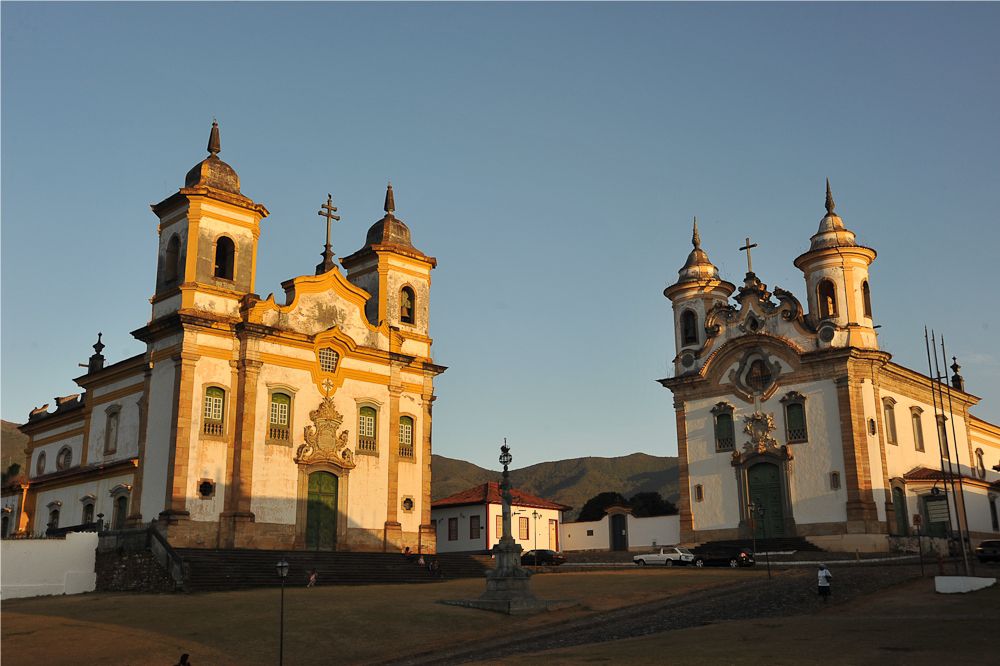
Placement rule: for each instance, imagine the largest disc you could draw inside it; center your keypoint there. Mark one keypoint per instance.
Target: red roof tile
(930, 474)
(489, 493)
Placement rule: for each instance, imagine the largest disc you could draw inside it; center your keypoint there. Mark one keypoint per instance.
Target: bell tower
(697, 290)
(396, 274)
(208, 233)
(836, 273)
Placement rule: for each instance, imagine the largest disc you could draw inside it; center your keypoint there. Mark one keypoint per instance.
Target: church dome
(831, 232)
(212, 171)
(697, 266)
(389, 230)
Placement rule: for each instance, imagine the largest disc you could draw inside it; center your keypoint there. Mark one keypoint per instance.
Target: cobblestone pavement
(790, 592)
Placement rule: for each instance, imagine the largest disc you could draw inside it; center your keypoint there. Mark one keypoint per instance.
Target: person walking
(824, 577)
(313, 575)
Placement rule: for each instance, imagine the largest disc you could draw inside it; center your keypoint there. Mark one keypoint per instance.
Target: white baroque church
(791, 422)
(302, 421)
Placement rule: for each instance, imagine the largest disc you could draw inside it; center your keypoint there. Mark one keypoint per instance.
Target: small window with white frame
(406, 437)
(795, 417)
(280, 418)
(367, 430)
(214, 411)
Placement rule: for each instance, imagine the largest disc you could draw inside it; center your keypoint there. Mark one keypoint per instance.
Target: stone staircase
(211, 570)
(780, 544)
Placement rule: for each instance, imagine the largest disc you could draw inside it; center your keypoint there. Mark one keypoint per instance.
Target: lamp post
(763, 524)
(752, 508)
(282, 574)
(535, 515)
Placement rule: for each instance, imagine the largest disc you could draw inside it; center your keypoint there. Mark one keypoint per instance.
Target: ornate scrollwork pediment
(759, 426)
(324, 441)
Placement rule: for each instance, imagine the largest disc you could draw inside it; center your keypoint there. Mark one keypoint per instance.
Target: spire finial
(830, 205)
(390, 201)
(99, 346)
(695, 238)
(214, 144)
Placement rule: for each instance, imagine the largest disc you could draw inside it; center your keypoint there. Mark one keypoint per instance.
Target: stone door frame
(781, 459)
(302, 501)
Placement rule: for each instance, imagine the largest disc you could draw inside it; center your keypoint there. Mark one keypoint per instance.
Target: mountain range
(571, 482)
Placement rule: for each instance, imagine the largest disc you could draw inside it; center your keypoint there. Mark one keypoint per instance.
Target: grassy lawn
(909, 624)
(322, 625)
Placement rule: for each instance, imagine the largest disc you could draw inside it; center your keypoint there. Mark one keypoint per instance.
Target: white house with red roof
(472, 520)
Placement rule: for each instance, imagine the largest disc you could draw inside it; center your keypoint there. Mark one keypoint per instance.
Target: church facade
(791, 422)
(301, 422)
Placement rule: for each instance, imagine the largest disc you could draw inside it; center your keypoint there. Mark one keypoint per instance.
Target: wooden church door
(765, 490)
(321, 512)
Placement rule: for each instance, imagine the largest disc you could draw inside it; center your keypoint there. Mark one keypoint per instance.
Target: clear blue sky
(550, 156)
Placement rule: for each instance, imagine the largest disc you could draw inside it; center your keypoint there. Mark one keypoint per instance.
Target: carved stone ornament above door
(324, 441)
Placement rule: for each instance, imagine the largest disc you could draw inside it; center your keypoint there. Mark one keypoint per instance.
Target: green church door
(321, 512)
(765, 490)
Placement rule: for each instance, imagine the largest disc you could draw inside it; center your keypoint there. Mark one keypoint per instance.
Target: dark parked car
(722, 555)
(540, 557)
(988, 550)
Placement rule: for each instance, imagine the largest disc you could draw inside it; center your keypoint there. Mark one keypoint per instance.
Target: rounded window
(40, 464)
(65, 458)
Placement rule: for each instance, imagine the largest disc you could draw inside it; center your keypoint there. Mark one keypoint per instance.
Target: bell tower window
(171, 260)
(407, 306)
(689, 328)
(225, 253)
(827, 300)
(866, 296)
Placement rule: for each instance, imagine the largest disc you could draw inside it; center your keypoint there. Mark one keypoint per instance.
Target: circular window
(65, 458)
(408, 504)
(40, 464)
(206, 488)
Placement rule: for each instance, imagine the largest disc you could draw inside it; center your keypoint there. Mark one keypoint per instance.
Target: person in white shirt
(824, 582)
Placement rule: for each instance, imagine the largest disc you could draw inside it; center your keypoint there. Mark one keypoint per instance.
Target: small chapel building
(791, 422)
(298, 422)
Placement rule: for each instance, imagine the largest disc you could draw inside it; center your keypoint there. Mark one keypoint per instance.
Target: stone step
(240, 569)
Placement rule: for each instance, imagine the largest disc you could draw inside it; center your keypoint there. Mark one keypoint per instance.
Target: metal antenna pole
(937, 430)
(963, 518)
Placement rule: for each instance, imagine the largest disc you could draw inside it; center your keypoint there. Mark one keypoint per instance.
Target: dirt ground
(359, 625)
(909, 624)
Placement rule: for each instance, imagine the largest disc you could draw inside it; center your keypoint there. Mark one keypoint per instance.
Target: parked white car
(668, 556)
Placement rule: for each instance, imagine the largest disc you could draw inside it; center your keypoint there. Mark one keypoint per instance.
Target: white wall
(589, 535)
(538, 527)
(37, 567)
(642, 533)
(661, 530)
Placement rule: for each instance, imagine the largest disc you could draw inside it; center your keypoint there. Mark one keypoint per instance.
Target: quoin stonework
(302, 421)
(793, 410)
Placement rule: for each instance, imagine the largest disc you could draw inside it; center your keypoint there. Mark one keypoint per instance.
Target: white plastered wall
(158, 426)
(71, 508)
(589, 535)
(39, 567)
(463, 515)
(813, 500)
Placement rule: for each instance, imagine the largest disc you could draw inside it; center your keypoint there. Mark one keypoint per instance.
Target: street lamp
(282, 574)
(763, 524)
(752, 509)
(535, 515)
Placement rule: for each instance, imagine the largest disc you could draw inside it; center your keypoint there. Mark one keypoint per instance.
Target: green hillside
(570, 482)
(12, 443)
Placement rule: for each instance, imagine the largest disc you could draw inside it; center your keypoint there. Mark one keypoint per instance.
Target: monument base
(513, 606)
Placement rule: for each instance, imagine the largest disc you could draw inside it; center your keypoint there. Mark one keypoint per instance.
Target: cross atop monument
(327, 210)
(749, 260)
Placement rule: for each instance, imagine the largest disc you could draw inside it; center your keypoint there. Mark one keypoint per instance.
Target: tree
(648, 504)
(596, 506)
